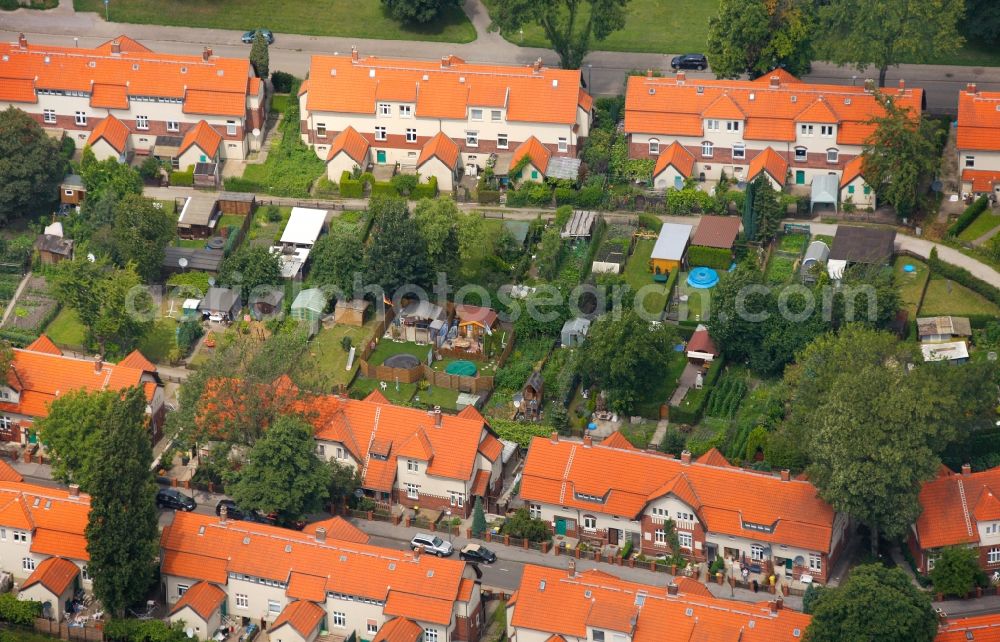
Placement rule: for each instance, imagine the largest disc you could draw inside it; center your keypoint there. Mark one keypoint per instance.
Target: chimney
(869, 85)
(681, 76)
(969, 89)
(223, 514)
(649, 73)
(672, 589)
(571, 567)
(686, 457)
(416, 552)
(206, 54)
(902, 85)
(444, 61)
(966, 470)
(98, 364)
(116, 47)
(537, 66)
(588, 441)
(785, 474)
(74, 490)
(555, 437)
(775, 82)
(321, 534)
(779, 603)
(354, 54)
(22, 41)
(773, 607)
(437, 416)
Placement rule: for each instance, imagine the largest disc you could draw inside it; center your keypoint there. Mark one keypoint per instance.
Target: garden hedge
(962, 277)
(488, 196)
(650, 222)
(425, 190)
(713, 257)
(183, 179)
(691, 416)
(238, 184)
(384, 188)
(970, 214)
(351, 187)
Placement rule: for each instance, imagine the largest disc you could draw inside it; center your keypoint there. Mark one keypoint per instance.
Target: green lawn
(191, 243)
(357, 19)
(161, 341)
(983, 224)
(279, 102)
(406, 391)
(638, 276)
(911, 284)
(327, 362)
(436, 396)
(225, 220)
(944, 297)
(793, 243)
(268, 231)
(779, 269)
(650, 408)
(66, 330)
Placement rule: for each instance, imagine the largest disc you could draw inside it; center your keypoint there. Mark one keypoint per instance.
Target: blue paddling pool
(702, 278)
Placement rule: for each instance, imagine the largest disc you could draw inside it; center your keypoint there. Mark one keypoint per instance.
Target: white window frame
(242, 601)
(412, 466)
(372, 627)
(563, 143)
(654, 146)
(826, 131)
(475, 114)
(384, 109)
(832, 155)
(535, 511)
(589, 523)
(173, 126)
(321, 130)
(141, 122)
(598, 635)
(739, 151)
(340, 453)
(406, 111)
(28, 563)
(321, 450)
(21, 536)
(993, 556)
(338, 619)
(3, 534)
(472, 139)
(707, 149)
(230, 128)
(804, 156)
(273, 606)
(456, 499)
(380, 132)
(685, 540)
(815, 562)
(503, 142)
(805, 130)
(81, 119)
(49, 116)
(411, 134)
(182, 589)
(496, 115)
(430, 635)
(712, 125)
(412, 491)
(970, 160)
(733, 126)
(757, 552)
(660, 537)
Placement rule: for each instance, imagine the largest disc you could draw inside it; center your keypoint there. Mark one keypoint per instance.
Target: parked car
(432, 544)
(250, 35)
(477, 553)
(232, 510)
(174, 499)
(690, 61)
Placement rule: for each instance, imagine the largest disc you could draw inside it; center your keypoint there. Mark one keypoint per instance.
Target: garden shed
(943, 328)
(580, 225)
(701, 349)
(351, 311)
(825, 190)
(531, 397)
(868, 245)
(267, 303)
(574, 332)
(71, 190)
(717, 231)
(669, 249)
(220, 304)
(309, 305)
(816, 254)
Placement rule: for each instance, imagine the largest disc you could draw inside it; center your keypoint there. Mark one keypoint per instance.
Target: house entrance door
(560, 526)
(380, 157)
(800, 177)
(613, 534)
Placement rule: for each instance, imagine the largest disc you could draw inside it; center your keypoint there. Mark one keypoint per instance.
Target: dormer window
(806, 130)
(476, 114)
(732, 126)
(712, 125)
(406, 111)
(826, 131)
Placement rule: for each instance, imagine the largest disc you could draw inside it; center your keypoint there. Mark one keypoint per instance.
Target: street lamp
(853, 79)
(107, 10)
(590, 70)
(448, 515)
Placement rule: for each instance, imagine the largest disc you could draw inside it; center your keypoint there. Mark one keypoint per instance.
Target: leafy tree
(522, 525)
(541, 316)
(418, 11)
(150, 168)
(956, 571)
(334, 259)
(756, 36)
(6, 358)
(141, 233)
(122, 530)
(108, 177)
(282, 472)
(982, 22)
(569, 25)
(31, 166)
(812, 595)
(344, 480)
(768, 209)
(396, 254)
(260, 55)
(111, 302)
(900, 155)
(623, 356)
(883, 33)
(550, 253)
(437, 219)
(875, 603)
(478, 519)
(249, 268)
(73, 431)
(473, 237)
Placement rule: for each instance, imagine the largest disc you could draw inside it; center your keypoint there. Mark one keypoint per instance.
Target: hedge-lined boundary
(962, 277)
(970, 214)
(713, 257)
(692, 415)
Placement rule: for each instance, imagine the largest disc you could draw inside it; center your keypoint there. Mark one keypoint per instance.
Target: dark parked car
(250, 35)
(172, 498)
(477, 553)
(232, 510)
(690, 61)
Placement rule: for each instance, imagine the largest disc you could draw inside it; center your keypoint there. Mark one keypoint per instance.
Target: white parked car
(432, 544)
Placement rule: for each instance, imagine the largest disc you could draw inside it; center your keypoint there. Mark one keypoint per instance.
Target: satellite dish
(183, 262)
(211, 281)
(189, 632)
(91, 257)
(992, 356)
(936, 186)
(256, 131)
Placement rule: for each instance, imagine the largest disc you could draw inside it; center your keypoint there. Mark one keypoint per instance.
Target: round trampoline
(462, 368)
(702, 278)
(401, 361)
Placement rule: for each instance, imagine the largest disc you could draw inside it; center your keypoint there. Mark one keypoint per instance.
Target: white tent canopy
(824, 190)
(304, 227)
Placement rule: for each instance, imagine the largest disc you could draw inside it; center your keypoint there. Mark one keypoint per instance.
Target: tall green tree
(478, 519)
(73, 431)
(875, 603)
(282, 473)
(111, 302)
(755, 36)
(396, 254)
(31, 167)
(982, 22)
(768, 208)
(6, 358)
(437, 219)
(334, 259)
(884, 33)
(344, 480)
(419, 11)
(108, 178)
(957, 571)
(141, 233)
(624, 356)
(901, 155)
(571, 26)
(260, 56)
(249, 268)
(122, 531)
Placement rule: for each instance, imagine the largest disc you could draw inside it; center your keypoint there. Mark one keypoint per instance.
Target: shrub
(713, 257)
(18, 611)
(282, 81)
(425, 190)
(565, 196)
(970, 214)
(521, 524)
(404, 183)
(67, 147)
(384, 188)
(188, 334)
(186, 179)
(238, 184)
(272, 213)
(351, 187)
(325, 188)
(590, 197)
(489, 196)
(150, 168)
(650, 222)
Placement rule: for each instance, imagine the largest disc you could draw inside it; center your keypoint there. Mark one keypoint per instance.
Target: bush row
(182, 179)
(970, 214)
(489, 196)
(692, 415)
(963, 277)
(351, 187)
(713, 257)
(240, 184)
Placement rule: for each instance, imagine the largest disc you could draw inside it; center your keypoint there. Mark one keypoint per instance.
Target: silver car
(432, 544)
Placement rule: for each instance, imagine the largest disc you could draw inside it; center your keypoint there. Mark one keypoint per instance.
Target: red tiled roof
(782, 75)
(701, 341)
(399, 629)
(423, 607)
(953, 504)
(475, 314)
(714, 458)
(677, 157)
(852, 170)
(54, 573)
(490, 447)
(376, 397)
(586, 101)
(44, 344)
(303, 586)
(109, 96)
(204, 137)
(340, 529)
(976, 628)
(57, 519)
(441, 147)
(111, 130)
(771, 162)
(979, 121)
(418, 446)
(301, 615)
(17, 90)
(717, 231)
(481, 485)
(125, 44)
(137, 360)
(724, 498)
(533, 149)
(983, 180)
(724, 107)
(443, 89)
(618, 440)
(550, 601)
(352, 143)
(202, 598)
(8, 474)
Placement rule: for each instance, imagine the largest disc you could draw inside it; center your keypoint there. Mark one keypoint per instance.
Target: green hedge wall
(351, 187)
(386, 189)
(968, 216)
(239, 184)
(693, 414)
(963, 277)
(489, 196)
(713, 257)
(425, 190)
(182, 179)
